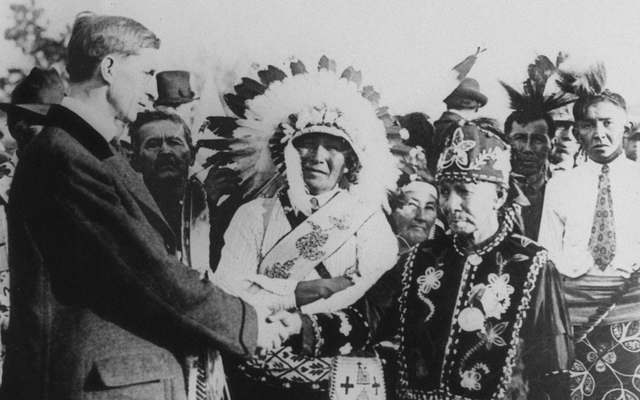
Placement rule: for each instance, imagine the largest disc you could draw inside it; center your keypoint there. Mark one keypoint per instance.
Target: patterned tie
(602, 242)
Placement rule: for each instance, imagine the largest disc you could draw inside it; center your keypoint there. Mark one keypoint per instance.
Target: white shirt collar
(614, 164)
(105, 125)
(324, 198)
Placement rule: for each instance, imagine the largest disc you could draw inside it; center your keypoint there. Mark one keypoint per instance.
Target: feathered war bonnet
(589, 87)
(532, 104)
(279, 107)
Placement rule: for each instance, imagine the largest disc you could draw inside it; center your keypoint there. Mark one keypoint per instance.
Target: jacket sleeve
(111, 260)
(373, 318)
(547, 349)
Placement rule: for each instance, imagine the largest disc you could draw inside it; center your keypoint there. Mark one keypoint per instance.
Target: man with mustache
(591, 226)
(163, 153)
(479, 313)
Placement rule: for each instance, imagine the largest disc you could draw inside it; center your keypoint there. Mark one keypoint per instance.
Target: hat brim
(40, 110)
(461, 93)
(174, 101)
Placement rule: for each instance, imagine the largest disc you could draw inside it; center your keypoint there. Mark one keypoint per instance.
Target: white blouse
(258, 225)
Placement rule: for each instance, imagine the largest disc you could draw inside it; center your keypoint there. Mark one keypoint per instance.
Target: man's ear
(107, 66)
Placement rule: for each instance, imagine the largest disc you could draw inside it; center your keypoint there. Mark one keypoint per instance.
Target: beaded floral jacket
(486, 326)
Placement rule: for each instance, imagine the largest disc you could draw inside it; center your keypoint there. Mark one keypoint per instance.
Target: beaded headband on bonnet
(474, 154)
(280, 107)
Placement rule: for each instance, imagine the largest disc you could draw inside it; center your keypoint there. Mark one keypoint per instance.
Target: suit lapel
(95, 143)
(138, 189)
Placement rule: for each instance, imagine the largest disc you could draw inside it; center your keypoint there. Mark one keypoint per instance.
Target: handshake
(275, 329)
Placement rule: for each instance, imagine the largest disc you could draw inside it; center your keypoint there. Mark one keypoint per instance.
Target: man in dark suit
(101, 308)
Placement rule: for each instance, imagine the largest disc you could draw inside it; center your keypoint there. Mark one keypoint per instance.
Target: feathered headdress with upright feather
(278, 107)
(589, 86)
(532, 103)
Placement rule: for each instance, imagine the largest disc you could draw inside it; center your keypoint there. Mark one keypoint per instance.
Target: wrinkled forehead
(421, 191)
(161, 129)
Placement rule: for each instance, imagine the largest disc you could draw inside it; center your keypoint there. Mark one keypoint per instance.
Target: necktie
(602, 242)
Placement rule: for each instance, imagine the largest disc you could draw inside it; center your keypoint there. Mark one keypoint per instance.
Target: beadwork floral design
(457, 151)
(495, 296)
(310, 245)
(346, 349)
(345, 326)
(606, 365)
(470, 379)
(279, 270)
(429, 280)
(491, 334)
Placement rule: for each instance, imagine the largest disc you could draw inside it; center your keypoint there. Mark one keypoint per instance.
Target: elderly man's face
(413, 221)
(322, 159)
(469, 207)
(131, 83)
(164, 155)
(601, 130)
(530, 146)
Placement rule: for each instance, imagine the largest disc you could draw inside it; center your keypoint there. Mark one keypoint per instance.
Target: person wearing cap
(479, 313)
(323, 239)
(591, 226)
(29, 104)
(101, 306)
(529, 130)
(462, 105)
(175, 95)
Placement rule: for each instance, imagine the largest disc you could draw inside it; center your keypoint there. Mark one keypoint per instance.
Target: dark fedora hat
(174, 88)
(32, 112)
(467, 95)
(33, 96)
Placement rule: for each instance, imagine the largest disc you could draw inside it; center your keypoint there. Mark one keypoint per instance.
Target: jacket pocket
(131, 376)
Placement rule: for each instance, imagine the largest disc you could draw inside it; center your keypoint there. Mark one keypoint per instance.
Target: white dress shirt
(567, 217)
(258, 225)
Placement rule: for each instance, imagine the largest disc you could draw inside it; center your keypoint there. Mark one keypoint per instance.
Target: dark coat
(101, 309)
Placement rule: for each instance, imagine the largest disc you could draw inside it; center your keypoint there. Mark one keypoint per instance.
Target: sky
(403, 48)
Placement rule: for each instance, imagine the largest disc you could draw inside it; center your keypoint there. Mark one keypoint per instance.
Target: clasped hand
(276, 329)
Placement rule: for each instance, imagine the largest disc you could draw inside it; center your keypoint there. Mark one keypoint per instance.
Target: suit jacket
(101, 308)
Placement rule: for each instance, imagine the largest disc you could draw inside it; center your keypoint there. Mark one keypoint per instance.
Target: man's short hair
(93, 37)
(524, 118)
(147, 117)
